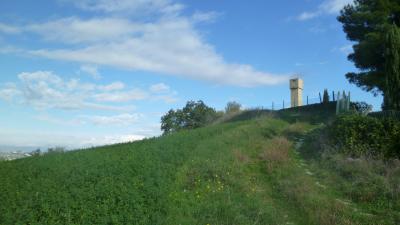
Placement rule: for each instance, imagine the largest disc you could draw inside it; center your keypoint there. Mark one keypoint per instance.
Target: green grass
(243, 172)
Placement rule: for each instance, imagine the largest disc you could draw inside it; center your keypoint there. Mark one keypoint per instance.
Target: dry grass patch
(241, 157)
(277, 153)
(295, 129)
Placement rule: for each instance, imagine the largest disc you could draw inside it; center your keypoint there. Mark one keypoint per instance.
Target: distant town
(13, 155)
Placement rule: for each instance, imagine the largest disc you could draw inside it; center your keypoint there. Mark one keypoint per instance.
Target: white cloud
(346, 49)
(307, 15)
(112, 87)
(91, 70)
(299, 64)
(133, 6)
(12, 50)
(334, 6)
(44, 140)
(326, 7)
(168, 44)
(121, 96)
(110, 139)
(166, 98)
(45, 90)
(160, 87)
(117, 120)
(205, 16)
(125, 119)
(73, 30)
(8, 29)
(59, 121)
(9, 91)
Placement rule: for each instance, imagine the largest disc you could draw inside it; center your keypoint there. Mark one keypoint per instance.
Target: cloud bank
(46, 90)
(168, 43)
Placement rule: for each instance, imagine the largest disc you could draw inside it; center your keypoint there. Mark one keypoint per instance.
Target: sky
(80, 73)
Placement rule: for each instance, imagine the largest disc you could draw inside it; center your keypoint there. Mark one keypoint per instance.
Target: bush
(363, 135)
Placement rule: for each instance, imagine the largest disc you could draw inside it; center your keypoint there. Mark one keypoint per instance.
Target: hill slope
(245, 172)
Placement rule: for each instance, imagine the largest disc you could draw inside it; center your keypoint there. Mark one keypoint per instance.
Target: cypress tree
(392, 69)
(325, 98)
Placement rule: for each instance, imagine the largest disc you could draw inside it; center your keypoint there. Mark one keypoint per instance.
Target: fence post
(272, 106)
(338, 103)
(307, 99)
(320, 99)
(283, 104)
(333, 94)
(348, 102)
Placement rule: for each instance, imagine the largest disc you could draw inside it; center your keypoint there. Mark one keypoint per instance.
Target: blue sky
(77, 73)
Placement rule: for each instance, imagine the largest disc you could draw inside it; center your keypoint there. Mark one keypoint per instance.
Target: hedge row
(364, 135)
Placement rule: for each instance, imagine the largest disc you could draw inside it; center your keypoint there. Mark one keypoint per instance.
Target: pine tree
(366, 23)
(392, 69)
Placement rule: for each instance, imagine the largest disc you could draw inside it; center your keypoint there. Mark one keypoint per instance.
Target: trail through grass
(245, 172)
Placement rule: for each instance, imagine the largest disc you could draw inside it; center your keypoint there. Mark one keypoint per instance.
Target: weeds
(241, 157)
(277, 153)
(367, 181)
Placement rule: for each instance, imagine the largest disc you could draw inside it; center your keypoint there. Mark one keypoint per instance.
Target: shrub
(363, 135)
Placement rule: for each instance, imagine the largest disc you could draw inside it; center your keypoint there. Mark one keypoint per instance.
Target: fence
(391, 114)
(284, 104)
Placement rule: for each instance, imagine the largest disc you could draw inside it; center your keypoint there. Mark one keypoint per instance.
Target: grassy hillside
(243, 172)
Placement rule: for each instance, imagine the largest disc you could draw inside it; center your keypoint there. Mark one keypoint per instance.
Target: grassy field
(242, 172)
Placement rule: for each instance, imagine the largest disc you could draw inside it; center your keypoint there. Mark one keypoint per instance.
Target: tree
(232, 107)
(325, 98)
(362, 108)
(172, 121)
(193, 115)
(392, 69)
(35, 152)
(366, 23)
(197, 114)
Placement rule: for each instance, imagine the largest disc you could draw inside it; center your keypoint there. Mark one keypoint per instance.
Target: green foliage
(364, 183)
(387, 114)
(360, 135)
(325, 98)
(232, 107)
(36, 152)
(55, 150)
(362, 108)
(193, 115)
(392, 69)
(366, 23)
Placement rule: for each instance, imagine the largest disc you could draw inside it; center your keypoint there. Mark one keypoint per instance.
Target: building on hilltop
(296, 92)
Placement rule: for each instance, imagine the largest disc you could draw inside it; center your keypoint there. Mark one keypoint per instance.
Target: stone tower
(296, 92)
